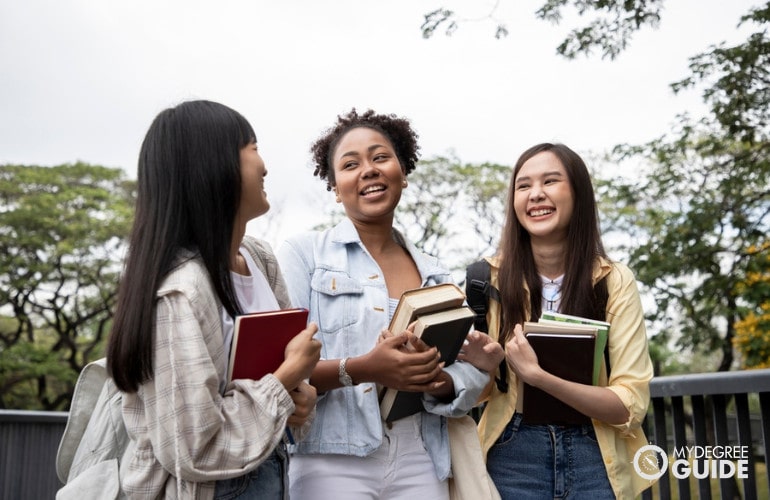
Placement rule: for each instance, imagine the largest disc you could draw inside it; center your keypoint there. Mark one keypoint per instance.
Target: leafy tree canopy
(697, 212)
(61, 243)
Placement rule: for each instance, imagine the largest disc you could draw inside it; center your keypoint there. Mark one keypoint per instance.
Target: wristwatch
(345, 379)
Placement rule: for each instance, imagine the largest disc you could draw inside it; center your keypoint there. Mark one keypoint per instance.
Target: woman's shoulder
(255, 245)
(261, 252)
(617, 273)
(190, 278)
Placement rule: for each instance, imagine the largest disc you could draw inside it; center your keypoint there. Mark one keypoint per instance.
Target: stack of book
(569, 347)
(441, 320)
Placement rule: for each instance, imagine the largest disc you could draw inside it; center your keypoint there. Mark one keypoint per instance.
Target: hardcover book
(602, 335)
(422, 301)
(260, 339)
(569, 355)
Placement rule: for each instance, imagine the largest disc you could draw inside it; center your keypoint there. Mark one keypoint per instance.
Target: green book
(602, 333)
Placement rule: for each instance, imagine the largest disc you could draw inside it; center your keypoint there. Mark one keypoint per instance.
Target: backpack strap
(84, 398)
(478, 292)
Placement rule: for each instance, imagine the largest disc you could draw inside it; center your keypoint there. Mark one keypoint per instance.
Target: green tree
(453, 210)
(62, 233)
(699, 205)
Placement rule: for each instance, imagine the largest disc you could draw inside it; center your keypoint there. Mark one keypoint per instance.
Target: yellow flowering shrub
(752, 331)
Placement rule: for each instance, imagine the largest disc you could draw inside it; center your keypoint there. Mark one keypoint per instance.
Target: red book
(260, 339)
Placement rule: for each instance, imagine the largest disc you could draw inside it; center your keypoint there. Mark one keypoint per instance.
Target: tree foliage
(752, 331)
(699, 208)
(688, 218)
(62, 231)
(453, 210)
(610, 27)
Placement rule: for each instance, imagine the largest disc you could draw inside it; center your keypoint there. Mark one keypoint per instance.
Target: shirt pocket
(337, 300)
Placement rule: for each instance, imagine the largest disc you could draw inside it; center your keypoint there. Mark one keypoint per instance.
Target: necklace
(551, 293)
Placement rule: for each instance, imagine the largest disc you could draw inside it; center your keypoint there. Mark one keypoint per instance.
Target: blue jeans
(538, 462)
(268, 481)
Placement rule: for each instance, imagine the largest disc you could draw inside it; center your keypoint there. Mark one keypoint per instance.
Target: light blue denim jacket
(332, 274)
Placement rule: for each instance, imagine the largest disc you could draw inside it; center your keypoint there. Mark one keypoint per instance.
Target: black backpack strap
(478, 292)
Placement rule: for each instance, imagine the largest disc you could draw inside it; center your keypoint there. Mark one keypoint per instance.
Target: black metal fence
(713, 409)
(718, 410)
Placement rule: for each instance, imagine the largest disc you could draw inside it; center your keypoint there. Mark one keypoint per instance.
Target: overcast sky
(82, 80)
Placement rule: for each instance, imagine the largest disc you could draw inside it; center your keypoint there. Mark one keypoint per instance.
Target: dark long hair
(584, 244)
(188, 193)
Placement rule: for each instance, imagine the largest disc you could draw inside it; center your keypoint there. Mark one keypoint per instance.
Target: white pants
(399, 468)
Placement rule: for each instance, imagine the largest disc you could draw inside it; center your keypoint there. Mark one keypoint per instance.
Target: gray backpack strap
(95, 438)
(87, 391)
(263, 256)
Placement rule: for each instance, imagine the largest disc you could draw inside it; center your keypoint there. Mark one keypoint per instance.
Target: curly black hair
(397, 130)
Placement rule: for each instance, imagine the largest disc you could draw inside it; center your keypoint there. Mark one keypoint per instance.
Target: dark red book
(260, 339)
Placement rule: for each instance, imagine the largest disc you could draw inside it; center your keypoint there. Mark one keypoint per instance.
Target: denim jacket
(333, 275)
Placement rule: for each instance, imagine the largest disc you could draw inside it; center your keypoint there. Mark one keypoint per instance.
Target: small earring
(405, 183)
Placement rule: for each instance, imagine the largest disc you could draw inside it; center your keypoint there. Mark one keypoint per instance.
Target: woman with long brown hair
(551, 257)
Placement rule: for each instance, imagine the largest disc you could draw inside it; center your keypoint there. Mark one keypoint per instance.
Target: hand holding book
(268, 342)
(561, 389)
(278, 342)
(438, 319)
(301, 356)
(521, 357)
(417, 363)
(304, 397)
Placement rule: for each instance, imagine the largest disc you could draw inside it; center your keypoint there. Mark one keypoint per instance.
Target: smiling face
(543, 198)
(368, 176)
(253, 197)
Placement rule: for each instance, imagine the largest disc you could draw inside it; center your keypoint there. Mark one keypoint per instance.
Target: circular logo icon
(650, 462)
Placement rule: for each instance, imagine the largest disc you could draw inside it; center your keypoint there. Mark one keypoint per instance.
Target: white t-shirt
(253, 293)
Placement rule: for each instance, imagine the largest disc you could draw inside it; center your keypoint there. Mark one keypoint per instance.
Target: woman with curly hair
(350, 277)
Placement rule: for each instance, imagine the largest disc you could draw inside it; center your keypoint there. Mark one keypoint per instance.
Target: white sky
(82, 80)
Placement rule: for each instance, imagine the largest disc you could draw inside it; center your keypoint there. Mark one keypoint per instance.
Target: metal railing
(28, 444)
(696, 411)
(686, 410)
